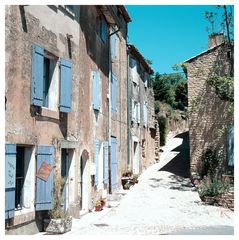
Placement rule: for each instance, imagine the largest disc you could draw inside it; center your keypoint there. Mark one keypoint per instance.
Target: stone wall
(207, 112)
(157, 142)
(176, 127)
(227, 199)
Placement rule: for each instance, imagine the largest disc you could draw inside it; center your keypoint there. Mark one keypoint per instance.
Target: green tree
(164, 87)
(181, 95)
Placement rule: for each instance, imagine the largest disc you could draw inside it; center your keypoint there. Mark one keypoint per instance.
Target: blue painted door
(113, 163)
(10, 179)
(44, 181)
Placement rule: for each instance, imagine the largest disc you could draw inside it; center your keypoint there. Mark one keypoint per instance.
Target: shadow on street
(180, 164)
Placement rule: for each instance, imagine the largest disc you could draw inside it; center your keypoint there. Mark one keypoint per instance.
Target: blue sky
(168, 35)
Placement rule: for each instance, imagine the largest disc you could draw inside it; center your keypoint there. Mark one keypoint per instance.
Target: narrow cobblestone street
(164, 202)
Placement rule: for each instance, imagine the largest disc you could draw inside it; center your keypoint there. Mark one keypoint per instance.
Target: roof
(124, 13)
(140, 57)
(111, 15)
(204, 52)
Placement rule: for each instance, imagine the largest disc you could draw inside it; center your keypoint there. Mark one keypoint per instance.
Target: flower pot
(98, 208)
(58, 225)
(124, 180)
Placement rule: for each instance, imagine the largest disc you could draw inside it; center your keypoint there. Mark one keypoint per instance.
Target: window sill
(45, 112)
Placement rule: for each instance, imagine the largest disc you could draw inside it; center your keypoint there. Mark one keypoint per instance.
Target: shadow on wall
(96, 48)
(180, 164)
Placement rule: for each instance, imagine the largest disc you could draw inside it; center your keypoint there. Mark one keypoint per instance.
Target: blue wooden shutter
(138, 112)
(113, 46)
(10, 179)
(133, 110)
(106, 163)
(113, 164)
(230, 146)
(44, 189)
(96, 90)
(66, 86)
(96, 160)
(37, 75)
(114, 93)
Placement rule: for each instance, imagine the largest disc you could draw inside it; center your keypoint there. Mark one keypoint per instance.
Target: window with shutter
(44, 177)
(96, 90)
(10, 180)
(45, 83)
(66, 86)
(114, 93)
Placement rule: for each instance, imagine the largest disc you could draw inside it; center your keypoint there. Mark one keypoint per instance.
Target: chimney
(215, 39)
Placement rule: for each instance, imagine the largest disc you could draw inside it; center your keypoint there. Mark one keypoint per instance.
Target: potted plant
(59, 221)
(126, 186)
(98, 206)
(210, 188)
(135, 178)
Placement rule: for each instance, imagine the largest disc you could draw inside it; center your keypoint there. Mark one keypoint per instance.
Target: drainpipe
(109, 109)
(128, 112)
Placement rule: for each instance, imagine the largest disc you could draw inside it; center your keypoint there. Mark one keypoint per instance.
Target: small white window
(50, 83)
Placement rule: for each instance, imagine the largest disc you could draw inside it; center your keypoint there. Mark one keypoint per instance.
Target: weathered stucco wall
(23, 123)
(28, 125)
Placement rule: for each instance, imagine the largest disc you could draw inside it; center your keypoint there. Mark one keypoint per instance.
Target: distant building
(208, 114)
(143, 125)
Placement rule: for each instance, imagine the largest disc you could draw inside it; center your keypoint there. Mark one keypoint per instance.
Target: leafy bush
(209, 161)
(212, 187)
(57, 211)
(224, 87)
(157, 106)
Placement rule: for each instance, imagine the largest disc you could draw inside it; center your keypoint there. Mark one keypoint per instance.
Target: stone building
(66, 108)
(143, 128)
(208, 113)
